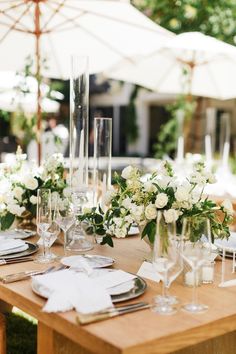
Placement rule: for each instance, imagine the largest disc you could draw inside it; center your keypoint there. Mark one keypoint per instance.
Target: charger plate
(138, 288)
(32, 248)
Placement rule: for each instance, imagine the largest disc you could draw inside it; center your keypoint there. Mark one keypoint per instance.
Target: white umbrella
(12, 101)
(211, 66)
(105, 30)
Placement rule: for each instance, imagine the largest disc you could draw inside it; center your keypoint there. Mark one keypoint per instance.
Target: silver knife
(11, 278)
(100, 316)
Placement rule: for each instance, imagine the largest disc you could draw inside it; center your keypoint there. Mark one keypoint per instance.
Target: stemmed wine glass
(166, 262)
(44, 221)
(65, 218)
(194, 253)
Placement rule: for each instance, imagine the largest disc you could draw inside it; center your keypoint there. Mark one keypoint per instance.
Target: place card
(147, 271)
(51, 242)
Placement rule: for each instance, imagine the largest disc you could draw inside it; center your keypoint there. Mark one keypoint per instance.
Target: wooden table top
(141, 332)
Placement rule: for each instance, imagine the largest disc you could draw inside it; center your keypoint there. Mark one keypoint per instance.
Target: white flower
(133, 184)
(137, 212)
(30, 182)
(151, 212)
(120, 232)
(171, 215)
(228, 207)
(129, 172)
(87, 210)
(18, 191)
(210, 177)
(198, 178)
(16, 209)
(161, 200)
(182, 193)
(109, 195)
(149, 187)
(118, 221)
(127, 203)
(33, 199)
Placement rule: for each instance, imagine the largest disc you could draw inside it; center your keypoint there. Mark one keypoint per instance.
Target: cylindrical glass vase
(79, 122)
(102, 158)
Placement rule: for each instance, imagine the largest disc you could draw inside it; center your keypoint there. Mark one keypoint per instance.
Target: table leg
(45, 339)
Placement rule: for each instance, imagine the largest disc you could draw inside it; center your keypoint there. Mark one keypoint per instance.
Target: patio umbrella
(105, 30)
(210, 65)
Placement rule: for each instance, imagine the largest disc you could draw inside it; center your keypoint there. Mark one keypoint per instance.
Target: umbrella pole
(37, 55)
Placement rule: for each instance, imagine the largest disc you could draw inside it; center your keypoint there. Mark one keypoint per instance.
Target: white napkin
(13, 234)
(68, 289)
(12, 246)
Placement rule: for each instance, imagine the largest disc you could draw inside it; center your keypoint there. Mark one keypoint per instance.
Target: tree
(212, 17)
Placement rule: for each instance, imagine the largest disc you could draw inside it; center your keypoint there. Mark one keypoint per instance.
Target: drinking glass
(65, 218)
(166, 262)
(44, 221)
(195, 254)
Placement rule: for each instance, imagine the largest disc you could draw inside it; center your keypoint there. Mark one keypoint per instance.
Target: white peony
(129, 172)
(151, 212)
(33, 199)
(18, 191)
(228, 207)
(149, 187)
(30, 182)
(182, 194)
(161, 200)
(16, 209)
(171, 215)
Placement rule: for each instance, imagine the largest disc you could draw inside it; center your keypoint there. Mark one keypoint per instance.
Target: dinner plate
(17, 234)
(94, 261)
(229, 245)
(138, 288)
(32, 248)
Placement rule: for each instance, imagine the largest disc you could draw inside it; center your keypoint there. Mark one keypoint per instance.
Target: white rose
(149, 187)
(228, 207)
(151, 212)
(128, 172)
(182, 194)
(16, 209)
(171, 215)
(137, 212)
(18, 191)
(33, 199)
(161, 200)
(30, 182)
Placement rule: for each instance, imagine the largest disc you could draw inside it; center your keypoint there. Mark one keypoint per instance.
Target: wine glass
(64, 217)
(44, 221)
(166, 262)
(195, 254)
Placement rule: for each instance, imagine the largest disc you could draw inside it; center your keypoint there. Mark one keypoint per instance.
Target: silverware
(113, 312)
(11, 278)
(15, 260)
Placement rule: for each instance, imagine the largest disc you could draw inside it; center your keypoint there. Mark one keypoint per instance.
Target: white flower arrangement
(19, 184)
(132, 201)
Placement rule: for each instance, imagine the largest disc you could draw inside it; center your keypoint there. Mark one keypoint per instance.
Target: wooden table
(141, 332)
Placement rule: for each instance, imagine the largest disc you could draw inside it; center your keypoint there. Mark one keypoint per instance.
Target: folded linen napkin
(68, 289)
(12, 246)
(9, 234)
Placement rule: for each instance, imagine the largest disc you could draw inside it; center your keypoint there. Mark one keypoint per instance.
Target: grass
(21, 333)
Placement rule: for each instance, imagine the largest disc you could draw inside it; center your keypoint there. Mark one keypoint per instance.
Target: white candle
(189, 278)
(104, 189)
(208, 274)
(225, 157)
(81, 159)
(180, 149)
(208, 150)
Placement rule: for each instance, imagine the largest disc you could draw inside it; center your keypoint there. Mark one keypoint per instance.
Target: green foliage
(5, 116)
(212, 17)
(6, 221)
(150, 231)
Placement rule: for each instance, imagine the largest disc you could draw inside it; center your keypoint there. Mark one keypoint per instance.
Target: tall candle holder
(102, 158)
(79, 126)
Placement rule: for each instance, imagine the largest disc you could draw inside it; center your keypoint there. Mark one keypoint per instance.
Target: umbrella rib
(55, 11)
(116, 19)
(16, 21)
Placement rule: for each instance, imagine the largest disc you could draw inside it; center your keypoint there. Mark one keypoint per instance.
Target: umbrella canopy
(106, 31)
(209, 66)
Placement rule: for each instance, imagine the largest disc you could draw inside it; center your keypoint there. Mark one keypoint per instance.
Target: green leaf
(6, 221)
(107, 240)
(150, 231)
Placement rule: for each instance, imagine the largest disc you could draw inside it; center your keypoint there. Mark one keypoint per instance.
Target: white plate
(134, 230)
(17, 234)
(229, 245)
(94, 261)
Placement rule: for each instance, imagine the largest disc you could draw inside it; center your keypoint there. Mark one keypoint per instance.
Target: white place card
(52, 240)
(147, 271)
